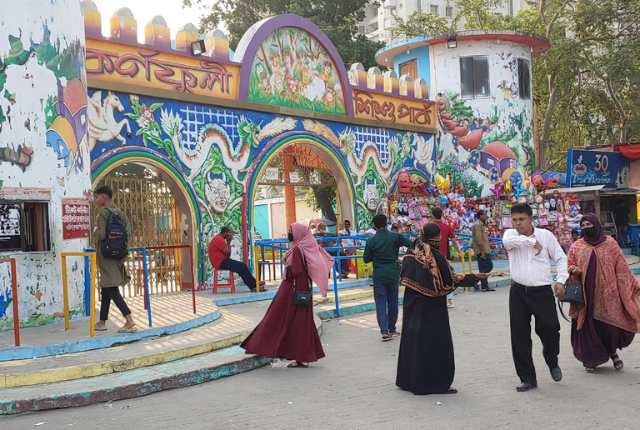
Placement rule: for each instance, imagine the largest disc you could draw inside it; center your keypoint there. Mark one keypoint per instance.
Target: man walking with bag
(482, 248)
(111, 235)
(532, 252)
(383, 249)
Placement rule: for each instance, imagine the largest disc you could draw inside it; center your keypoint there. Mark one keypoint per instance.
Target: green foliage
(420, 23)
(338, 19)
(586, 87)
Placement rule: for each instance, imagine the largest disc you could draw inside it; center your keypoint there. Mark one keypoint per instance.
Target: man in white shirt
(532, 253)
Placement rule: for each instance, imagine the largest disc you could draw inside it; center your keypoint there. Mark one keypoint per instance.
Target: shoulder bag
(303, 298)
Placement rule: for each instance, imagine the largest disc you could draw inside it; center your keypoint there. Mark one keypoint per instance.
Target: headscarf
(425, 270)
(430, 231)
(318, 261)
(599, 237)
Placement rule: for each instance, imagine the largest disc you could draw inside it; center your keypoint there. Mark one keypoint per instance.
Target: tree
(586, 87)
(338, 19)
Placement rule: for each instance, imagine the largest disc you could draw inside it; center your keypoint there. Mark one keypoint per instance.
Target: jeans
(108, 294)
(385, 295)
(485, 265)
(242, 270)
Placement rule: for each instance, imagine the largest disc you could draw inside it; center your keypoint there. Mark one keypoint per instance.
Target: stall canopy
(575, 190)
(630, 191)
(630, 151)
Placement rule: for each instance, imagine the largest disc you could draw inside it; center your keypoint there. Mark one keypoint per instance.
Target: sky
(143, 10)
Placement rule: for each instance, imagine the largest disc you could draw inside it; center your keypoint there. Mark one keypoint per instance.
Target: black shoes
(386, 337)
(556, 374)
(526, 386)
(484, 290)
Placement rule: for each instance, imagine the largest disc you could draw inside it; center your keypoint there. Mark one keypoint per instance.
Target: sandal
(297, 364)
(618, 364)
(130, 329)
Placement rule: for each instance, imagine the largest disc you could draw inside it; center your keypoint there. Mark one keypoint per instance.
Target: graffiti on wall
(213, 148)
(43, 143)
(293, 69)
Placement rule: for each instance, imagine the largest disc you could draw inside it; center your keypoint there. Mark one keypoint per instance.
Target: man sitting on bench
(220, 258)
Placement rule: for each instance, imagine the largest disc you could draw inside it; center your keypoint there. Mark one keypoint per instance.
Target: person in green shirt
(382, 250)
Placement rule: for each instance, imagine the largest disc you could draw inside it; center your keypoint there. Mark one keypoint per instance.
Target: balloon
(507, 186)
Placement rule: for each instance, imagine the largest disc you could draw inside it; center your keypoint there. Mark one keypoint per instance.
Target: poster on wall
(10, 237)
(75, 219)
(596, 168)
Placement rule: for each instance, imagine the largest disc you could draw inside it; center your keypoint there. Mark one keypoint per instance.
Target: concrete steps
(132, 383)
(230, 329)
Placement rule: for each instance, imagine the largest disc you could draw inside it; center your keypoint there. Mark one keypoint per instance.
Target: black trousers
(108, 294)
(485, 265)
(242, 270)
(539, 302)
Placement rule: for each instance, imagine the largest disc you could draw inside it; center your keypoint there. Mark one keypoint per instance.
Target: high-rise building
(380, 18)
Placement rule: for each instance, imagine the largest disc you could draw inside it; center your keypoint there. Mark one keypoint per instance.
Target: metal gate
(150, 206)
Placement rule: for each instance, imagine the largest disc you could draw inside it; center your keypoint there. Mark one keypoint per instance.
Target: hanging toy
(507, 186)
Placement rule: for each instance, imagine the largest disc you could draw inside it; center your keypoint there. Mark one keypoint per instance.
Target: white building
(481, 82)
(379, 20)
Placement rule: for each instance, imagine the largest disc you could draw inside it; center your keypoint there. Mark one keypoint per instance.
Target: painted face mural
(371, 196)
(218, 193)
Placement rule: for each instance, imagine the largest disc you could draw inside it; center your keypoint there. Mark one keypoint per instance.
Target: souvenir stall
(409, 201)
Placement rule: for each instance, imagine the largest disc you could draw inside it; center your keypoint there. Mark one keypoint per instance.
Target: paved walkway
(167, 310)
(353, 388)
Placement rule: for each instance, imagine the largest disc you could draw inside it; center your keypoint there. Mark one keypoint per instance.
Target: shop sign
(596, 168)
(112, 62)
(75, 219)
(395, 110)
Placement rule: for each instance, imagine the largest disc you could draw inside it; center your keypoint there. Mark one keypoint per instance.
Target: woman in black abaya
(425, 362)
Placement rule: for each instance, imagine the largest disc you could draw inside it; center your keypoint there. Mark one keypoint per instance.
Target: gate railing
(92, 288)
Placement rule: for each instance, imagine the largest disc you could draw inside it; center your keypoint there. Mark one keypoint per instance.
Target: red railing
(14, 298)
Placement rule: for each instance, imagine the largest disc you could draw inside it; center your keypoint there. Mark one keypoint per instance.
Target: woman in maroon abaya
(610, 316)
(287, 330)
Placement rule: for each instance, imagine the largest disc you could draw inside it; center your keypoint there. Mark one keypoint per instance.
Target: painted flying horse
(103, 126)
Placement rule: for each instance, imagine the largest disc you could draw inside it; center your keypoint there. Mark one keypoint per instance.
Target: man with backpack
(111, 233)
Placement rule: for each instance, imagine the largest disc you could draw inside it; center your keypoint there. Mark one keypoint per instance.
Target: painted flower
(171, 123)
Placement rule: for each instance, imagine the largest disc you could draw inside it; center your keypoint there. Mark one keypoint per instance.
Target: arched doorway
(312, 163)
(159, 214)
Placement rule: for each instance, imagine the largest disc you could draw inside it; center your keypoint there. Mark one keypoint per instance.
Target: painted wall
(422, 57)
(43, 117)
(469, 125)
(215, 152)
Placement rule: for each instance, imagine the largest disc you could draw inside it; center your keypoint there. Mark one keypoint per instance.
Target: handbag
(303, 298)
(572, 294)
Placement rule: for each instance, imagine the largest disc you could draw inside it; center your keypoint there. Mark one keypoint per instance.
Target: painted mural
(43, 145)
(485, 143)
(293, 69)
(215, 149)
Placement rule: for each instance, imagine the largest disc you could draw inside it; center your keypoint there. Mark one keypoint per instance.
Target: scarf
(427, 272)
(599, 236)
(317, 260)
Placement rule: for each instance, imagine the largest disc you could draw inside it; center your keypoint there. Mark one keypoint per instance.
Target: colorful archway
(113, 159)
(346, 189)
